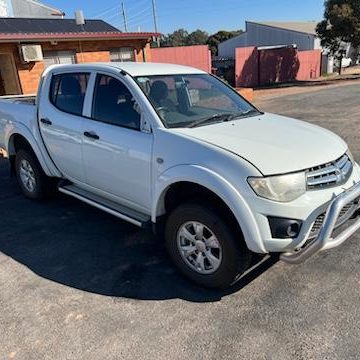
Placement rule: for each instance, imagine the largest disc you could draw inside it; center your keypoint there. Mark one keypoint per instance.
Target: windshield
(193, 100)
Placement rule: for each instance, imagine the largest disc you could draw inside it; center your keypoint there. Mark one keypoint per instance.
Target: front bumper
(324, 240)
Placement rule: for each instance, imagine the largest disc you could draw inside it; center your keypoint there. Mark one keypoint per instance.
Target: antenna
(79, 19)
(124, 16)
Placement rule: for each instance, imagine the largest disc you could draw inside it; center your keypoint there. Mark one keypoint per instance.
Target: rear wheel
(204, 247)
(31, 178)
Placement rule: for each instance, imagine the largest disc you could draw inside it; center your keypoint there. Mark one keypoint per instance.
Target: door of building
(9, 81)
(2, 86)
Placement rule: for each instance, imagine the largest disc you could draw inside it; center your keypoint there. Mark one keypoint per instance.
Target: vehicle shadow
(73, 244)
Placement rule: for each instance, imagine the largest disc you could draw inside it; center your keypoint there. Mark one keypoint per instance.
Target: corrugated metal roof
(17, 29)
(307, 27)
(52, 26)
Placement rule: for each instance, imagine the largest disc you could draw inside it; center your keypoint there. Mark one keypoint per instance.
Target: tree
(341, 26)
(182, 37)
(177, 38)
(197, 37)
(222, 35)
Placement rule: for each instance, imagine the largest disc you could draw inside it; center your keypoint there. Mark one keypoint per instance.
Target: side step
(120, 211)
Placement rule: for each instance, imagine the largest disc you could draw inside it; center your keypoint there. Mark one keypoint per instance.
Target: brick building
(28, 46)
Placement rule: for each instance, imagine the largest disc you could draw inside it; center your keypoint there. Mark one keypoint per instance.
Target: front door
(117, 155)
(61, 122)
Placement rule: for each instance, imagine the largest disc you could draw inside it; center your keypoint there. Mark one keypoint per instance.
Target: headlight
(282, 188)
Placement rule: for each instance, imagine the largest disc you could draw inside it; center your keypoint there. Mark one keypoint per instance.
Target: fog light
(282, 228)
(293, 230)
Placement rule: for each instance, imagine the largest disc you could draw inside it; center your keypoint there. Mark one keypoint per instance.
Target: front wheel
(204, 247)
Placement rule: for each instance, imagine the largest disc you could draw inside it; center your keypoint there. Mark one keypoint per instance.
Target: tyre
(30, 176)
(204, 247)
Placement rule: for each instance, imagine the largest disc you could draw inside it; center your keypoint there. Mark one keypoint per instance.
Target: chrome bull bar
(324, 240)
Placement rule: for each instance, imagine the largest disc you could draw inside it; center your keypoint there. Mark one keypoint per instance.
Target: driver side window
(114, 104)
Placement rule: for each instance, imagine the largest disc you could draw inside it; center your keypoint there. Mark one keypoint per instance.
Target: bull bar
(325, 240)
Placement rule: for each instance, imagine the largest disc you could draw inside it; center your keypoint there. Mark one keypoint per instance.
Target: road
(76, 283)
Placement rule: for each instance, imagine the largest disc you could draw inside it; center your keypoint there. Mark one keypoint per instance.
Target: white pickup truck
(176, 148)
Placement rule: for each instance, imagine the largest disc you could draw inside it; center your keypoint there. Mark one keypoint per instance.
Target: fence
(310, 65)
(197, 56)
(254, 67)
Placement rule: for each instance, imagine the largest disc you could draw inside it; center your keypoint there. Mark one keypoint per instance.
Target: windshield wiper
(213, 119)
(223, 117)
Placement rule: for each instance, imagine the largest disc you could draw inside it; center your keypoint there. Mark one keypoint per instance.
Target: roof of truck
(136, 68)
(142, 69)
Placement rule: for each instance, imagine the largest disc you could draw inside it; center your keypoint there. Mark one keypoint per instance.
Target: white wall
(31, 8)
(4, 10)
(26, 8)
(317, 44)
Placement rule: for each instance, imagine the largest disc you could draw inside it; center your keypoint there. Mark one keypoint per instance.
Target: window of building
(114, 104)
(59, 57)
(68, 91)
(122, 54)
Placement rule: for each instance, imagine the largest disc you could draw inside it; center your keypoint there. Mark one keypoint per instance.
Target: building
(28, 46)
(259, 34)
(28, 9)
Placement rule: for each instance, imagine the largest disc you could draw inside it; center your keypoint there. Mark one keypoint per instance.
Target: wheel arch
(219, 190)
(22, 138)
(17, 142)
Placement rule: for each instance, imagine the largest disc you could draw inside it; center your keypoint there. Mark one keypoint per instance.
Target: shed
(301, 34)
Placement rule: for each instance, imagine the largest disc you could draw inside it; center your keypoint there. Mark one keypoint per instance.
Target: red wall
(197, 56)
(310, 64)
(246, 67)
(255, 67)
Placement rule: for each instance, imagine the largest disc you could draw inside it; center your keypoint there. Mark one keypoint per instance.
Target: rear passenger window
(113, 103)
(68, 92)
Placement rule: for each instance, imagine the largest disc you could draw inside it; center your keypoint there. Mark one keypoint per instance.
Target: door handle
(91, 135)
(46, 121)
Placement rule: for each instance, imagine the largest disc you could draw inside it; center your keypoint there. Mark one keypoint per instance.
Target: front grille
(345, 213)
(331, 174)
(317, 225)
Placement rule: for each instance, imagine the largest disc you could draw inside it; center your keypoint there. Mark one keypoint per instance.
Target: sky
(207, 15)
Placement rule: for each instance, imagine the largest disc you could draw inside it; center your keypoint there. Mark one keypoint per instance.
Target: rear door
(60, 121)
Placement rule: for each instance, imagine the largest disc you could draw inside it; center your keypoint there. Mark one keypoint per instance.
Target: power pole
(124, 16)
(155, 21)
